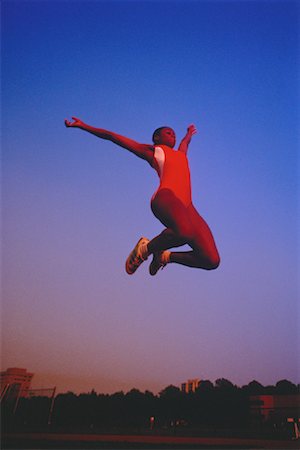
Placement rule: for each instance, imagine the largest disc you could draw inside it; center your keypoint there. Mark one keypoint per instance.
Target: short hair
(157, 132)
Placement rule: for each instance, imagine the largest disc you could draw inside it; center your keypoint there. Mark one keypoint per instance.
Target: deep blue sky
(74, 205)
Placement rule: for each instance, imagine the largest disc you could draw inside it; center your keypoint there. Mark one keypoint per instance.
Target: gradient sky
(74, 205)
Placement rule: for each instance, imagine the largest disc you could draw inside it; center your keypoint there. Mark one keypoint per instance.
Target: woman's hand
(77, 123)
(191, 130)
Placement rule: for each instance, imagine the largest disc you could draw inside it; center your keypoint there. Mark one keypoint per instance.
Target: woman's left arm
(184, 144)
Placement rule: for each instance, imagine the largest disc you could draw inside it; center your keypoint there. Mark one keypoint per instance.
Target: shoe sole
(156, 268)
(127, 264)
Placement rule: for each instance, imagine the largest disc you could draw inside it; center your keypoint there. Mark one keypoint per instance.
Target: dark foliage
(212, 405)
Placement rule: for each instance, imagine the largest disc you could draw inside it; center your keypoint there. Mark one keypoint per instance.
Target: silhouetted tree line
(222, 404)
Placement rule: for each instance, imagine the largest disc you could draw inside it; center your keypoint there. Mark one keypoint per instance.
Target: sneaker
(135, 258)
(159, 261)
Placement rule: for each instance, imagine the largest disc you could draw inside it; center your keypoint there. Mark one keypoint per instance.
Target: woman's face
(167, 137)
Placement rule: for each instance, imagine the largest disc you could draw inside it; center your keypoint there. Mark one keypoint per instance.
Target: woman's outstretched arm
(144, 151)
(184, 144)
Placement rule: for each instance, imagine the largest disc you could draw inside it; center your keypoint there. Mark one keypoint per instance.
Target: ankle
(165, 257)
(144, 251)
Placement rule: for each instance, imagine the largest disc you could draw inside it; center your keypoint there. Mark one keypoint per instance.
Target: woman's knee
(173, 238)
(169, 234)
(209, 262)
(213, 262)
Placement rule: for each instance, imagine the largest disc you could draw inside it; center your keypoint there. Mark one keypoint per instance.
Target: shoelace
(136, 260)
(161, 266)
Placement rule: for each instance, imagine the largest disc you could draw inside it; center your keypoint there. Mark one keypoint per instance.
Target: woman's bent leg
(184, 226)
(204, 254)
(173, 214)
(165, 240)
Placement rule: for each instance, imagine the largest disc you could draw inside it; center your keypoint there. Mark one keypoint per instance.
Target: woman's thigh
(171, 212)
(202, 236)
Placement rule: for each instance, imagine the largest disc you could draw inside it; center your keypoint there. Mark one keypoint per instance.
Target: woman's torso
(173, 170)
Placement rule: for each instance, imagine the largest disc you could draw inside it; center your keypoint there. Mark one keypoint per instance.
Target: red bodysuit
(173, 170)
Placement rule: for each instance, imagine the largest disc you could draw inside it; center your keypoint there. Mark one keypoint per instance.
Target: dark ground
(20, 441)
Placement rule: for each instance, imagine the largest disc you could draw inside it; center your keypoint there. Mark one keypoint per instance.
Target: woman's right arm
(144, 151)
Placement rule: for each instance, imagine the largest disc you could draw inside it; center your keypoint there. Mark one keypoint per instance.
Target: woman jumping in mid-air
(171, 203)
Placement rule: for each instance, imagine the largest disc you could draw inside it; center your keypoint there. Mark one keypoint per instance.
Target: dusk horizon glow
(73, 205)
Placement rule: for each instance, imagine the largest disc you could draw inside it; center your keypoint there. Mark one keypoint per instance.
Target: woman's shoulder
(164, 147)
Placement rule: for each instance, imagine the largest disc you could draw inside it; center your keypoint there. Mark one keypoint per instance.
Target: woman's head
(164, 136)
